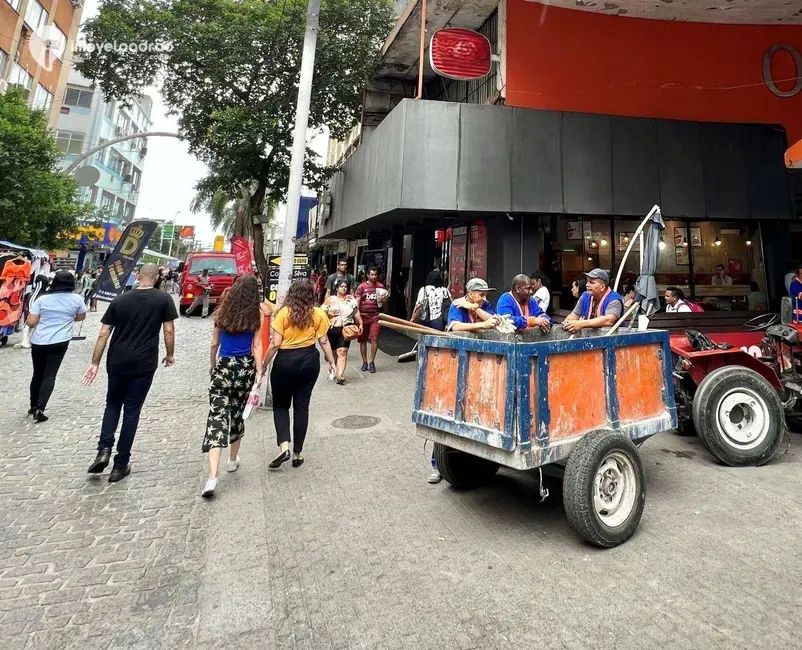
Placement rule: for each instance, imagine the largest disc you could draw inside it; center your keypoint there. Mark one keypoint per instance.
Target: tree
(231, 74)
(37, 202)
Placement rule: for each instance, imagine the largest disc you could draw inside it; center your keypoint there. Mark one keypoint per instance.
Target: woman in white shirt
(430, 307)
(343, 311)
(542, 295)
(53, 315)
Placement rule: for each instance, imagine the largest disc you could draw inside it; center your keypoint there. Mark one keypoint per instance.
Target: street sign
(300, 269)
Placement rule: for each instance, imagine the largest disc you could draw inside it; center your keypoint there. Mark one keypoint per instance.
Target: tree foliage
(37, 202)
(231, 76)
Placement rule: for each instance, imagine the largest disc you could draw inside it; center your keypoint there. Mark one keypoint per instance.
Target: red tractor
(735, 390)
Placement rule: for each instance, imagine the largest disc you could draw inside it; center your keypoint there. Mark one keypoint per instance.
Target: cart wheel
(603, 488)
(739, 416)
(463, 471)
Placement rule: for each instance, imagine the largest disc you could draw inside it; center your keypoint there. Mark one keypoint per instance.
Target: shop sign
(460, 54)
(769, 80)
(478, 251)
(456, 264)
(300, 269)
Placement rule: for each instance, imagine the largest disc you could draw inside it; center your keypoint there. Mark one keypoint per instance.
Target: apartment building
(87, 120)
(36, 43)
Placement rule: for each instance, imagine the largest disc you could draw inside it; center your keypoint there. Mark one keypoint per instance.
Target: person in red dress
(370, 297)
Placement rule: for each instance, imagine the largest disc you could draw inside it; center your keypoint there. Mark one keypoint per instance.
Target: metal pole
(298, 149)
(422, 53)
(175, 220)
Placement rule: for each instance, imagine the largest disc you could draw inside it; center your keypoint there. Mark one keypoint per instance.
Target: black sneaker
(372, 367)
(365, 367)
(39, 416)
(119, 473)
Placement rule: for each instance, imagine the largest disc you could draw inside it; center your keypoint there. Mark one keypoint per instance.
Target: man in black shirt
(339, 276)
(133, 321)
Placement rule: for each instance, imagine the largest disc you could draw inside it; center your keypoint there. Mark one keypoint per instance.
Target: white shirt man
(675, 302)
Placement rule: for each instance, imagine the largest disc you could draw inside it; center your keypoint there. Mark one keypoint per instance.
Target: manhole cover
(356, 422)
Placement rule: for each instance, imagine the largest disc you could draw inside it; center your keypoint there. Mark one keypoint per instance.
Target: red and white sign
(242, 254)
(460, 54)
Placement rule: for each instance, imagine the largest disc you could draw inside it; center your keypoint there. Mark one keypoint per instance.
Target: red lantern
(460, 54)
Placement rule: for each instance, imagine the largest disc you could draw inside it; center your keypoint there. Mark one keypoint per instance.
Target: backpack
(695, 306)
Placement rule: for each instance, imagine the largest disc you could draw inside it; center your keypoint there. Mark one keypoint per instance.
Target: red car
(222, 269)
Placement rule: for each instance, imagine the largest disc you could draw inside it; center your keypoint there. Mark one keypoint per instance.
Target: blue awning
(35, 252)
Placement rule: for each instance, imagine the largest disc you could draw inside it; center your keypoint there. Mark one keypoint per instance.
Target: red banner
(456, 266)
(243, 254)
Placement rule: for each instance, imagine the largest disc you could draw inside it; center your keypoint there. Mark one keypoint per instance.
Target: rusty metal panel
(640, 382)
(486, 390)
(440, 388)
(577, 393)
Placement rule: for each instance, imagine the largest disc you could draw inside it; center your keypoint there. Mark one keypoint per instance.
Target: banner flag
(123, 259)
(242, 253)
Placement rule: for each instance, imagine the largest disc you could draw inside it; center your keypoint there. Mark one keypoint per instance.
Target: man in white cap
(598, 307)
(473, 312)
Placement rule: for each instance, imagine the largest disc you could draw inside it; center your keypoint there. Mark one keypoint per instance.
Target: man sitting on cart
(598, 307)
(473, 312)
(521, 307)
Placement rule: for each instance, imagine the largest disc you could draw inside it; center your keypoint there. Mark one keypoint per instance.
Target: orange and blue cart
(531, 400)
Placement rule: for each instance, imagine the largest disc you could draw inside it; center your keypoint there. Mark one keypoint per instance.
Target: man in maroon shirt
(370, 298)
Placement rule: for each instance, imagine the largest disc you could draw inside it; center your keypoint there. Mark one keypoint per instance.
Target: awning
(793, 157)
(35, 252)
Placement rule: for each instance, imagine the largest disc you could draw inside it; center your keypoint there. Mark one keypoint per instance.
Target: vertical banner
(477, 251)
(456, 265)
(242, 253)
(123, 259)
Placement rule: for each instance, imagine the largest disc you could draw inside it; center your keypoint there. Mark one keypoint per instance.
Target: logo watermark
(50, 45)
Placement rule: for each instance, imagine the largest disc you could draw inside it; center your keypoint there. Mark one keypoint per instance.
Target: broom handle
(414, 330)
(400, 321)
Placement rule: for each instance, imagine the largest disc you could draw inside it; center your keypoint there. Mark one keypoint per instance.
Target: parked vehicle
(222, 269)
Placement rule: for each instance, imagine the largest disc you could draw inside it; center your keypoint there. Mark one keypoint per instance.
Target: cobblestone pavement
(355, 549)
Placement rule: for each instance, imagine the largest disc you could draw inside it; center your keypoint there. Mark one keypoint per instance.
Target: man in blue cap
(598, 307)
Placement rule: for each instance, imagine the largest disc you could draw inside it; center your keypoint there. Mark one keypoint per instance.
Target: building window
(123, 124)
(107, 203)
(129, 211)
(101, 155)
(58, 41)
(136, 178)
(20, 77)
(15, 4)
(116, 161)
(108, 110)
(36, 17)
(3, 59)
(42, 99)
(70, 141)
(78, 97)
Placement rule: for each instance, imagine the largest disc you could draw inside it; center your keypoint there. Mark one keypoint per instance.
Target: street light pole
(298, 149)
(172, 238)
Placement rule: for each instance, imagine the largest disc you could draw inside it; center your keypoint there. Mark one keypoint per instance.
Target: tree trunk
(257, 201)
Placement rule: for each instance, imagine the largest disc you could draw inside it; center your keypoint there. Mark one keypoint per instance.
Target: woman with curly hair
(236, 347)
(297, 326)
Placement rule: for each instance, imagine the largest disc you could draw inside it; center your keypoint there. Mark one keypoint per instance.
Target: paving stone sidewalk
(355, 549)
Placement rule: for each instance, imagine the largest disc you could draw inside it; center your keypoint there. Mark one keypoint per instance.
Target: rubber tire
(705, 407)
(463, 470)
(578, 486)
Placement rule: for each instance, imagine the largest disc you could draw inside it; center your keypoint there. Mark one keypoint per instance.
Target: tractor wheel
(462, 470)
(604, 488)
(738, 416)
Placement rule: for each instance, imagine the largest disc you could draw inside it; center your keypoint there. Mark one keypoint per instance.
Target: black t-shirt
(136, 319)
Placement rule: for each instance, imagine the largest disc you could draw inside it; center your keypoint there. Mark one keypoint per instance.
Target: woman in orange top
(297, 326)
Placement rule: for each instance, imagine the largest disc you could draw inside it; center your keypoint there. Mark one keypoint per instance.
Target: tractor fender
(703, 363)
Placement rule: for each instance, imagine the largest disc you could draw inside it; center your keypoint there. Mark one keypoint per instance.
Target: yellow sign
(300, 260)
(219, 244)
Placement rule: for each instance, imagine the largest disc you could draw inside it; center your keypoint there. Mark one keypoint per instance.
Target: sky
(171, 172)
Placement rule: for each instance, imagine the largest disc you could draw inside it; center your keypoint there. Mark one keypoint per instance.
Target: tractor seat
(784, 333)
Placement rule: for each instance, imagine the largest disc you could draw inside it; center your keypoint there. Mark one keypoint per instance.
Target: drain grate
(356, 422)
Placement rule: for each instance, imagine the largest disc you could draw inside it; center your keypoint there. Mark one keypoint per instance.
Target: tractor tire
(182, 309)
(604, 489)
(462, 470)
(739, 416)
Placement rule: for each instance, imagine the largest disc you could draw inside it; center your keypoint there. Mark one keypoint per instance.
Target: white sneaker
(233, 465)
(435, 477)
(209, 488)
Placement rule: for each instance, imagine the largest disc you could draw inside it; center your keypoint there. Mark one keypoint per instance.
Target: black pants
(292, 380)
(46, 362)
(125, 392)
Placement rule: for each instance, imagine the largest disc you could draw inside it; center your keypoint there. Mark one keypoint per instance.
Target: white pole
(175, 221)
(298, 149)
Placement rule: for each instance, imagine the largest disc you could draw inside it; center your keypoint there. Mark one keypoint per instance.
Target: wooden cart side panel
(440, 382)
(486, 391)
(577, 393)
(640, 382)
